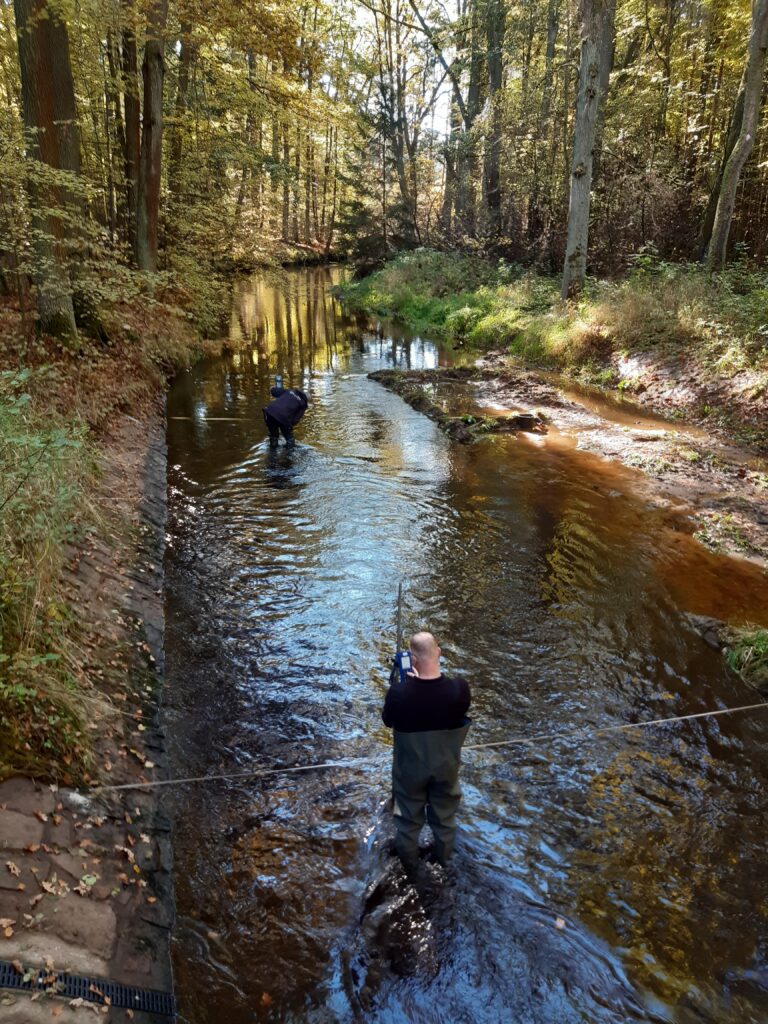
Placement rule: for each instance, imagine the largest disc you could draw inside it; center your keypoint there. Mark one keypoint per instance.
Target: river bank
(717, 488)
(86, 877)
(85, 873)
(686, 344)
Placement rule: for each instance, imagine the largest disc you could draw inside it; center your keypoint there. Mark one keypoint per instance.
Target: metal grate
(92, 990)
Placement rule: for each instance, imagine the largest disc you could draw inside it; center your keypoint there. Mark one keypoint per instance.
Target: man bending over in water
(282, 414)
(428, 713)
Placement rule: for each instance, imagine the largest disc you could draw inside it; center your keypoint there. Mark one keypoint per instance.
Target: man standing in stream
(428, 713)
(283, 413)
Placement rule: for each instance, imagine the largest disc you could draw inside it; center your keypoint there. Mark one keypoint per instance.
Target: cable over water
(560, 594)
(355, 762)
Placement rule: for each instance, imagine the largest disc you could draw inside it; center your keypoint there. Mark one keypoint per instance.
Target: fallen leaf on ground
(16, 964)
(42, 817)
(13, 868)
(266, 999)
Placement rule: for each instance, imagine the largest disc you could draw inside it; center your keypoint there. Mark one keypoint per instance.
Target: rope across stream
(357, 762)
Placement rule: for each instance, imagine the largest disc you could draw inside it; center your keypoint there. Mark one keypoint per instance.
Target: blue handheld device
(404, 664)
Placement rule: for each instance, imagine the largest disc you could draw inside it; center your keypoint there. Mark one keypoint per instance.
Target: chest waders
(425, 787)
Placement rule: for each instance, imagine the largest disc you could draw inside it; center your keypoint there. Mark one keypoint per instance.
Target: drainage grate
(92, 990)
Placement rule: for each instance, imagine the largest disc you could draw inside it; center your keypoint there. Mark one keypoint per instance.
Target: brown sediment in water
(719, 486)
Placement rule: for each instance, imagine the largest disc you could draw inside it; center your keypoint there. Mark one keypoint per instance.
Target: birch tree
(752, 93)
(597, 30)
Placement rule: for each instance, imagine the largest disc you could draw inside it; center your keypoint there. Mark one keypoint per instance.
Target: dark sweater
(422, 705)
(288, 407)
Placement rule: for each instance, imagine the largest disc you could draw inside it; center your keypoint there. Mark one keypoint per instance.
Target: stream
(615, 878)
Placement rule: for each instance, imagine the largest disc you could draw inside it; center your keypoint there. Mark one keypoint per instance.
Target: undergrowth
(747, 654)
(47, 467)
(720, 319)
(58, 404)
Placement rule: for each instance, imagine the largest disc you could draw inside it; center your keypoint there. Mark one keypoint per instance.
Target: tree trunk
(150, 164)
(705, 235)
(132, 131)
(48, 101)
(182, 93)
(535, 215)
(118, 151)
(495, 21)
(467, 157)
(597, 27)
(286, 185)
(753, 84)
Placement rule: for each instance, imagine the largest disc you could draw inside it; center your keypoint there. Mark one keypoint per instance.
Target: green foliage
(45, 467)
(747, 654)
(719, 320)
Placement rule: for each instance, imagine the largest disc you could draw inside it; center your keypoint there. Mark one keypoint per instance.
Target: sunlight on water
(616, 879)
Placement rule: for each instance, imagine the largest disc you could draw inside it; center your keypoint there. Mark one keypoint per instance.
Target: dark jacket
(420, 705)
(288, 407)
(429, 719)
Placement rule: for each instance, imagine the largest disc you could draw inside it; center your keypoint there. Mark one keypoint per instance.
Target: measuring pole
(402, 658)
(400, 616)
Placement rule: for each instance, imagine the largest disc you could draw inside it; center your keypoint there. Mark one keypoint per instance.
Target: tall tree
(150, 164)
(495, 18)
(48, 102)
(597, 30)
(752, 94)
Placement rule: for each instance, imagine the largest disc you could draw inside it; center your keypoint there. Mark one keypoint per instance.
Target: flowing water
(619, 878)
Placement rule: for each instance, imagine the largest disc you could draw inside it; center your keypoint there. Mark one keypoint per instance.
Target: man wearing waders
(284, 413)
(428, 713)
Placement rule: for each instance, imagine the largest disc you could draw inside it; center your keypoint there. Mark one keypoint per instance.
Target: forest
(152, 147)
(488, 161)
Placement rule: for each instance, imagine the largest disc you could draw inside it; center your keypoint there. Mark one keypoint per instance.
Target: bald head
(426, 655)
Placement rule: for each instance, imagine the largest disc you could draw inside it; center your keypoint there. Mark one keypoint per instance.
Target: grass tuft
(747, 654)
(47, 467)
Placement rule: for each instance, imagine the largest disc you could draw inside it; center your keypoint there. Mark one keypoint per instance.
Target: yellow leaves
(6, 926)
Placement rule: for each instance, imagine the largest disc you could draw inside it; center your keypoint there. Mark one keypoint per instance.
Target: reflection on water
(620, 878)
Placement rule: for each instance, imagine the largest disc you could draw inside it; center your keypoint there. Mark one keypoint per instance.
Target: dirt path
(85, 881)
(720, 489)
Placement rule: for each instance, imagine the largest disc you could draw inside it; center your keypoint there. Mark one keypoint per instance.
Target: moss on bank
(672, 313)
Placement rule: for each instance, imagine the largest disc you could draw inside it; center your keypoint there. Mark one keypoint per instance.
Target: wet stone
(61, 835)
(19, 830)
(87, 923)
(26, 796)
